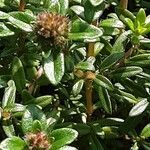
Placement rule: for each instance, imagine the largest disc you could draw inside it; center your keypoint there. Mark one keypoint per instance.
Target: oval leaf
(96, 2)
(77, 87)
(105, 99)
(31, 115)
(146, 131)
(62, 137)
(139, 108)
(104, 82)
(8, 101)
(13, 143)
(82, 31)
(125, 72)
(54, 68)
(18, 74)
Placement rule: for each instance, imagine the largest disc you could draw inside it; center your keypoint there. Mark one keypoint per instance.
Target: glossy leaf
(125, 72)
(3, 15)
(18, 74)
(54, 68)
(119, 43)
(111, 60)
(64, 4)
(111, 22)
(104, 99)
(82, 31)
(141, 16)
(85, 66)
(42, 101)
(8, 101)
(30, 116)
(128, 97)
(96, 2)
(8, 128)
(77, 87)
(62, 137)
(5, 31)
(13, 143)
(139, 108)
(146, 131)
(104, 82)
(67, 148)
(130, 23)
(20, 24)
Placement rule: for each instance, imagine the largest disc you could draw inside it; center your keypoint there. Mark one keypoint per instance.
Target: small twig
(22, 5)
(124, 4)
(89, 80)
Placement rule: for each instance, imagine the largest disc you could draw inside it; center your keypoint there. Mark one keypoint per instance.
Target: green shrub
(74, 74)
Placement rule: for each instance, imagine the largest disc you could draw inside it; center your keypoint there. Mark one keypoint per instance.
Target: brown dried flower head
(54, 27)
(38, 141)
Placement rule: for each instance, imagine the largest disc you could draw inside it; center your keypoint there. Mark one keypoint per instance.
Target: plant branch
(89, 80)
(124, 4)
(22, 5)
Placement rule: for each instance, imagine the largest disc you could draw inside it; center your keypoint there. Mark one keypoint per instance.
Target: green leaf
(141, 16)
(146, 131)
(42, 101)
(79, 10)
(3, 80)
(130, 23)
(18, 74)
(54, 68)
(23, 16)
(30, 116)
(67, 148)
(5, 31)
(94, 143)
(77, 87)
(111, 60)
(128, 97)
(64, 4)
(104, 99)
(140, 57)
(135, 147)
(82, 31)
(13, 143)
(3, 15)
(62, 137)
(111, 31)
(139, 108)
(140, 63)
(119, 43)
(26, 96)
(135, 88)
(96, 2)
(89, 11)
(146, 145)
(8, 128)
(20, 24)
(85, 66)
(111, 22)
(104, 82)
(125, 72)
(8, 101)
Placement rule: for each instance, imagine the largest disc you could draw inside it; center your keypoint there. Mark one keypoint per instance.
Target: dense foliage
(74, 74)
